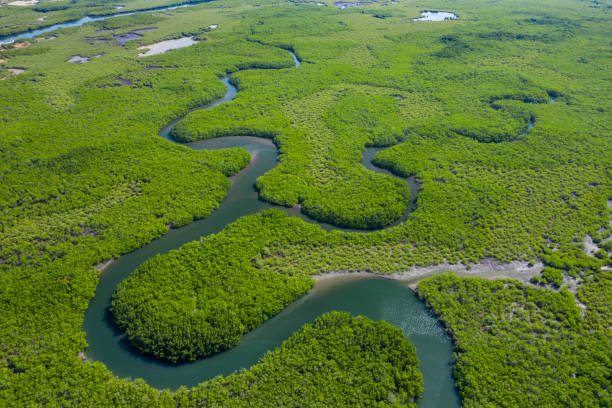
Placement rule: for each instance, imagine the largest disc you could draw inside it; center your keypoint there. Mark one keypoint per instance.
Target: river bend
(376, 298)
(88, 19)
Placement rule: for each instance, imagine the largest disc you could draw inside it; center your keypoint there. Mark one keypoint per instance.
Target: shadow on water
(373, 297)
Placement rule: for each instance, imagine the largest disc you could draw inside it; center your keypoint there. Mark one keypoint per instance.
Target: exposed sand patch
(13, 71)
(77, 59)
(488, 268)
(572, 286)
(589, 246)
(23, 44)
(164, 46)
(24, 3)
(436, 16)
(103, 265)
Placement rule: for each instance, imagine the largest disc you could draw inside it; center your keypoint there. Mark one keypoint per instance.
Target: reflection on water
(375, 298)
(436, 16)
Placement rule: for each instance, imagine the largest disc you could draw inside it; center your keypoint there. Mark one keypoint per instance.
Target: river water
(376, 298)
(87, 19)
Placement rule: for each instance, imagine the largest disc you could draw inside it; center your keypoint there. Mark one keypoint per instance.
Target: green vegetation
(91, 193)
(16, 19)
(338, 360)
(85, 178)
(518, 346)
(572, 260)
(570, 263)
(550, 275)
(201, 299)
(363, 364)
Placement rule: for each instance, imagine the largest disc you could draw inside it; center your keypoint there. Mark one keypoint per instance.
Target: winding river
(87, 19)
(376, 298)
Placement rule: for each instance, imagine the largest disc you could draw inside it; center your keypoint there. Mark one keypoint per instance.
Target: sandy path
(488, 268)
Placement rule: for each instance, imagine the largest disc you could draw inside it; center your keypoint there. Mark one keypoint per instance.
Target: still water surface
(376, 298)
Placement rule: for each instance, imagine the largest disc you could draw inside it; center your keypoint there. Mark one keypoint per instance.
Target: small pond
(436, 16)
(123, 38)
(164, 46)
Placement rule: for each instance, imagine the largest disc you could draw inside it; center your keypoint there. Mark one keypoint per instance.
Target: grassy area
(15, 19)
(519, 346)
(85, 177)
(371, 364)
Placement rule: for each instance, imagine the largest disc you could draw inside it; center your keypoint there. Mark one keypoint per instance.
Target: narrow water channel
(373, 297)
(376, 298)
(87, 19)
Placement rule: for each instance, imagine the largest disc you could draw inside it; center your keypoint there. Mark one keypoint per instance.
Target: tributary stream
(88, 19)
(376, 298)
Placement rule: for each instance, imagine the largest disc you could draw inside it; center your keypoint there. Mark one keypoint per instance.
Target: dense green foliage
(333, 188)
(16, 19)
(85, 177)
(89, 192)
(338, 361)
(552, 276)
(569, 263)
(201, 299)
(520, 347)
